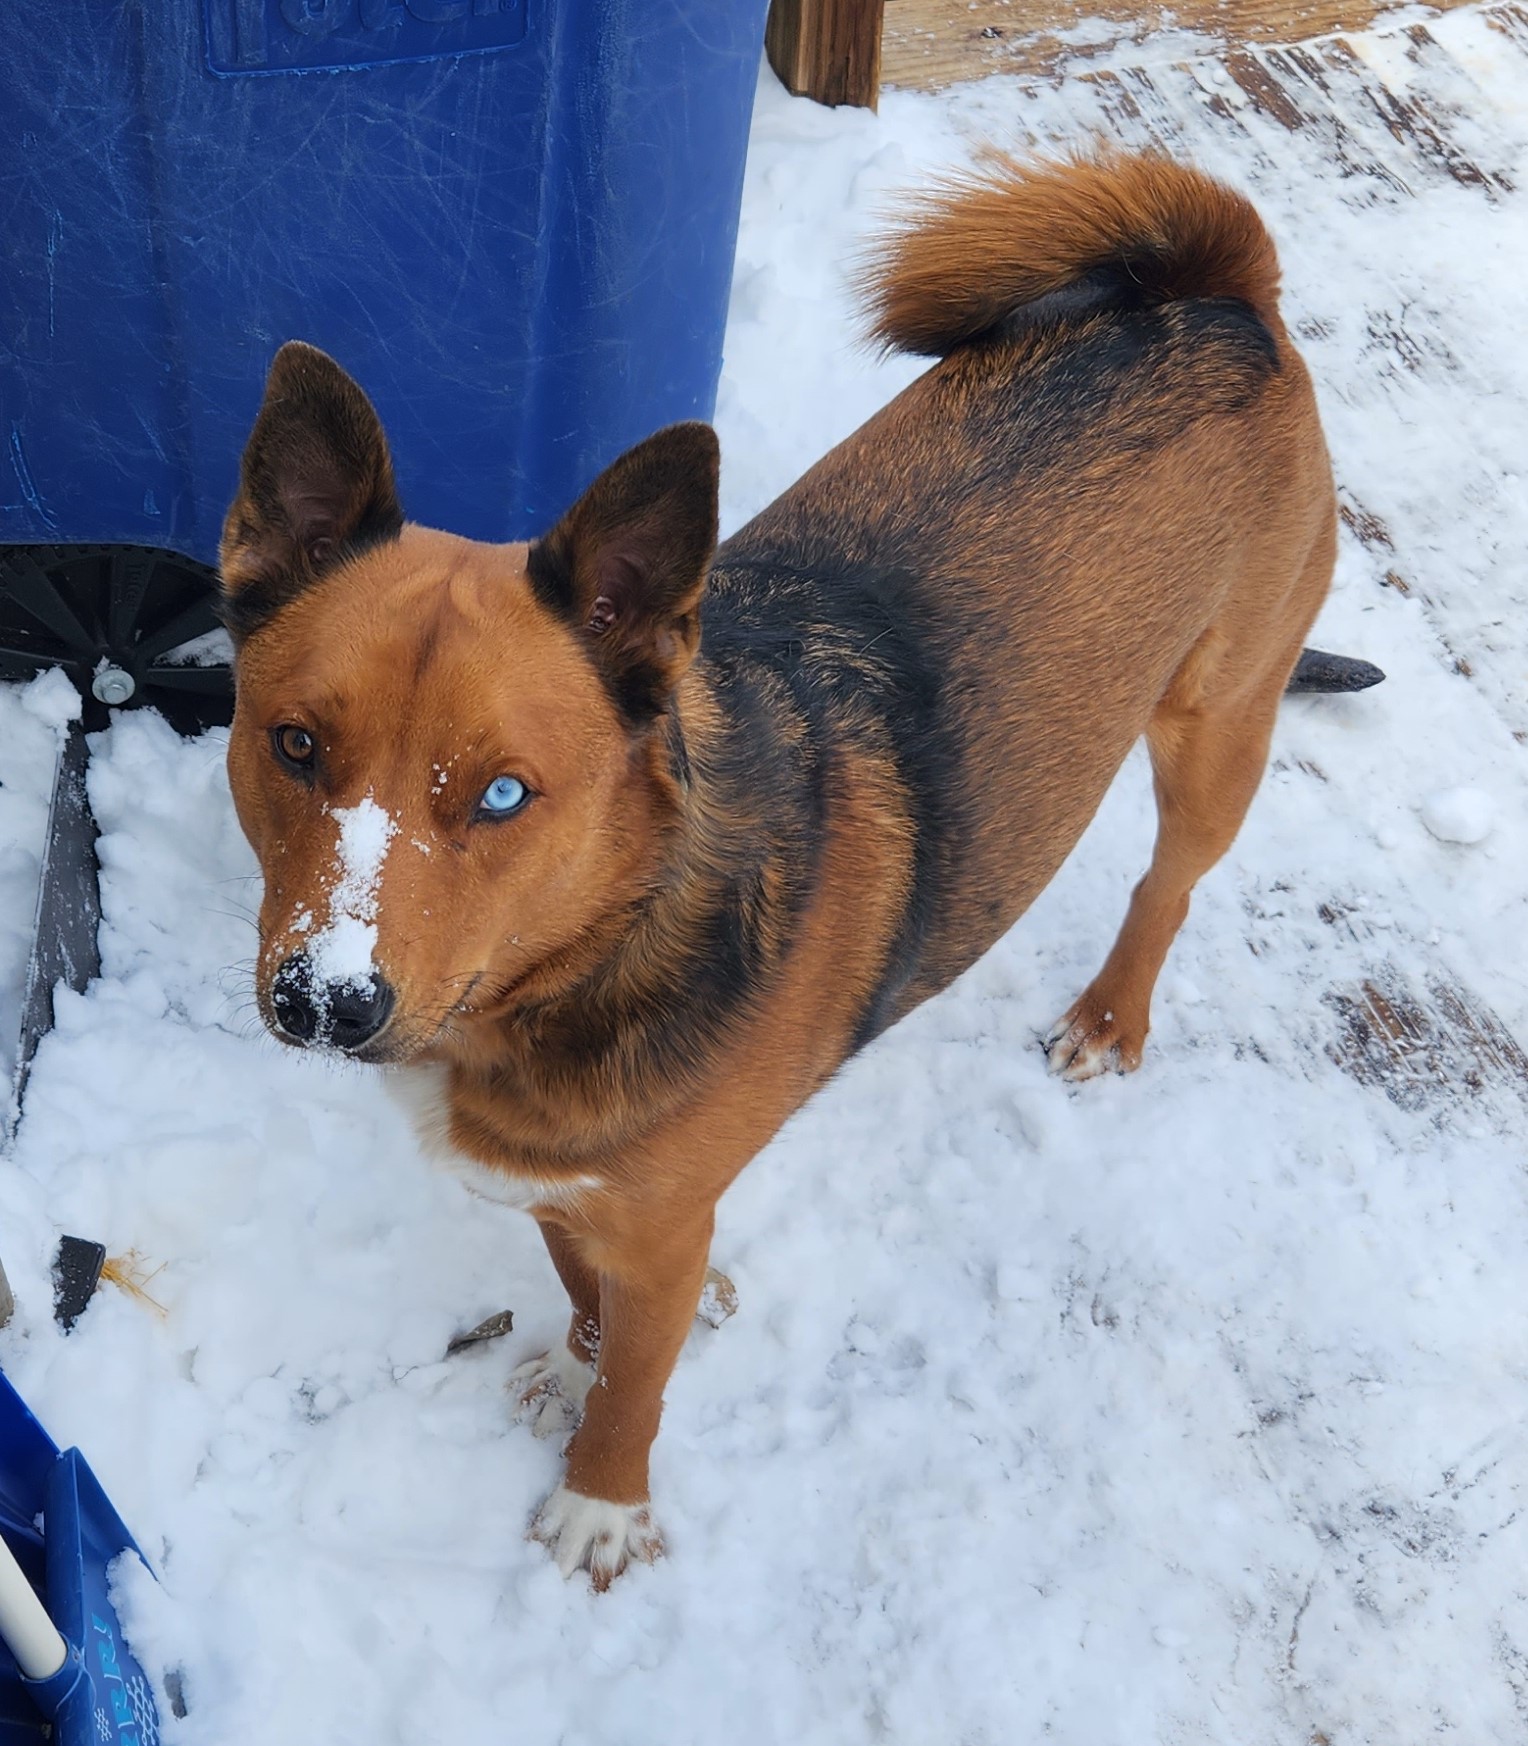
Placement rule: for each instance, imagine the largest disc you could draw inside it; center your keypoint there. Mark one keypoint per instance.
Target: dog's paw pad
(1090, 1040)
(589, 1533)
(549, 1391)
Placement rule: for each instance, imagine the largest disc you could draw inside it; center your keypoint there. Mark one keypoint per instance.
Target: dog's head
(448, 756)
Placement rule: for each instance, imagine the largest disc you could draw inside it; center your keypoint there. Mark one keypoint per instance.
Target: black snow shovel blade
(64, 947)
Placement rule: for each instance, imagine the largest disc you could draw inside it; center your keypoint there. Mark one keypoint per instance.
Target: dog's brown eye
(294, 746)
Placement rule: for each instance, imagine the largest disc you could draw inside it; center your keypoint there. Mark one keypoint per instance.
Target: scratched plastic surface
(27, 1456)
(100, 1696)
(512, 220)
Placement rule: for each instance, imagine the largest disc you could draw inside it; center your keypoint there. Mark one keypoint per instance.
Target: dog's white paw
(1070, 1053)
(1089, 1040)
(588, 1533)
(549, 1391)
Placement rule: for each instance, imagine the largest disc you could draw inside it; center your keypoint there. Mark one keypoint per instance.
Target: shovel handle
(28, 1632)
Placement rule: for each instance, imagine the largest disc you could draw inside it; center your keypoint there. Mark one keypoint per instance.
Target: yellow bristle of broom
(132, 1273)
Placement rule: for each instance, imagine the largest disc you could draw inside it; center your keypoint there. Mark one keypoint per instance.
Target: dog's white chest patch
(423, 1092)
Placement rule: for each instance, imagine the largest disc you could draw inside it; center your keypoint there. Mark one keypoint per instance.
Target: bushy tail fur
(1121, 229)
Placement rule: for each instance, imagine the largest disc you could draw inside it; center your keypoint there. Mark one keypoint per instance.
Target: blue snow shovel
(65, 1672)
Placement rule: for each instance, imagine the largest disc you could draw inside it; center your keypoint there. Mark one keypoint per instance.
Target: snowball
(1459, 815)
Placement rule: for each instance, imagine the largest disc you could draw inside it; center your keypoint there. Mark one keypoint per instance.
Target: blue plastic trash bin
(512, 220)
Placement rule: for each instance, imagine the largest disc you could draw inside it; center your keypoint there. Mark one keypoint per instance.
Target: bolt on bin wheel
(118, 620)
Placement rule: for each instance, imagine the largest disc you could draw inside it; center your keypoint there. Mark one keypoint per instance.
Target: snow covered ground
(1182, 1408)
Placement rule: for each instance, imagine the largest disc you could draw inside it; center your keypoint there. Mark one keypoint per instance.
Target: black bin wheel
(116, 619)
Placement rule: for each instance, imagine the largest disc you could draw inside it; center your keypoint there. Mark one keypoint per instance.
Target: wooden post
(828, 50)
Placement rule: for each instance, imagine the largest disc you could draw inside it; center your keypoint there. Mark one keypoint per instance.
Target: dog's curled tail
(1082, 233)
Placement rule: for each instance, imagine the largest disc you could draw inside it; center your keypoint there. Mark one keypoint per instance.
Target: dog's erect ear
(315, 485)
(627, 564)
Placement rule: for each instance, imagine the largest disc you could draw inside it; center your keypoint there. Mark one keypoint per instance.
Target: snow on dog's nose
(331, 992)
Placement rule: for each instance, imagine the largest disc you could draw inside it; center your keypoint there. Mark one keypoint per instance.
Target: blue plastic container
(511, 220)
(100, 1696)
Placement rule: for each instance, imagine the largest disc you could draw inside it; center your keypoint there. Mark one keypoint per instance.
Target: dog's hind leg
(1207, 758)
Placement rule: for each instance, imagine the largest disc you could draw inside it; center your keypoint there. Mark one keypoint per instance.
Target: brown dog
(625, 843)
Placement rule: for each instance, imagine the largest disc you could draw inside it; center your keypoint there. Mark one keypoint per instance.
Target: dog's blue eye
(505, 794)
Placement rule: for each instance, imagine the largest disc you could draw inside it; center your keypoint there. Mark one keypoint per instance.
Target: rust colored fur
(978, 247)
(783, 791)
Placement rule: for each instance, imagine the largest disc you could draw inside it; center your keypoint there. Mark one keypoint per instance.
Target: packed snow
(1186, 1407)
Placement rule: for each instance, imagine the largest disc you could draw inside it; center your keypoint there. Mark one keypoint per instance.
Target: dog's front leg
(649, 1286)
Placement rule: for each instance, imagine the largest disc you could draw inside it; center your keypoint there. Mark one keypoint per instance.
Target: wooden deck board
(930, 44)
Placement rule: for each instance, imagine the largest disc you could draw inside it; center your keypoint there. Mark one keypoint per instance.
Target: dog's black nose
(343, 1014)
(358, 1010)
(292, 1000)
